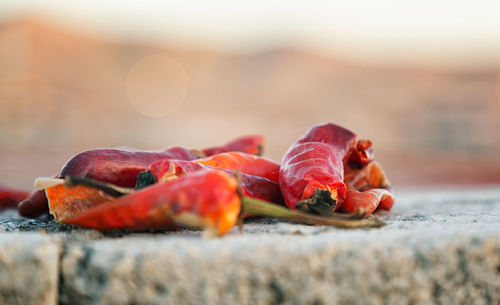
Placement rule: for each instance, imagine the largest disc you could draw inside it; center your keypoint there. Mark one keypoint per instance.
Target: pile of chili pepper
(327, 177)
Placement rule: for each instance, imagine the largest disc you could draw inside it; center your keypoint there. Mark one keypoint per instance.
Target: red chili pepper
(202, 199)
(205, 198)
(307, 168)
(312, 171)
(245, 163)
(9, 197)
(314, 168)
(248, 144)
(251, 186)
(121, 167)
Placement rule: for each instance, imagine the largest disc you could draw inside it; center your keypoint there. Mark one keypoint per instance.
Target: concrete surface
(439, 247)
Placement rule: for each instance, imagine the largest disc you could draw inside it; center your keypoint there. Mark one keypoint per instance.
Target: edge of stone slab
(447, 270)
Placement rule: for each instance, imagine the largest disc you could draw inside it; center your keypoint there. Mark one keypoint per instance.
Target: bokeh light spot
(157, 85)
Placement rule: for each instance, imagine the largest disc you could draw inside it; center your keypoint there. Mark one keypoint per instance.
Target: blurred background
(418, 78)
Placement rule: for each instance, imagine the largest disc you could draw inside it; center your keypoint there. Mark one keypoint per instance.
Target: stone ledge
(438, 248)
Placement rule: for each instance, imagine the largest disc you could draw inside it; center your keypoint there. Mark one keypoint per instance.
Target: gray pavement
(439, 247)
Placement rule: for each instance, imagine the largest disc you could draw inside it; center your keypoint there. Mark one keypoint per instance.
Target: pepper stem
(262, 208)
(321, 203)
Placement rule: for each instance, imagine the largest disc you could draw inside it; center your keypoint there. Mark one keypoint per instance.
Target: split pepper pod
(121, 167)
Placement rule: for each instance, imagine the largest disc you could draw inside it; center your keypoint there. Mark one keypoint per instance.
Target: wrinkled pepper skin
(9, 197)
(206, 198)
(121, 167)
(251, 186)
(316, 161)
(252, 144)
(244, 163)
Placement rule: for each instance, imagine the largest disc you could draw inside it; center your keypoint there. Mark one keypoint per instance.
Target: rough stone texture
(438, 248)
(29, 266)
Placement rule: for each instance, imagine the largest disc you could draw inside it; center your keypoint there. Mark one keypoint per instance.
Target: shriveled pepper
(10, 197)
(312, 171)
(245, 163)
(207, 198)
(121, 167)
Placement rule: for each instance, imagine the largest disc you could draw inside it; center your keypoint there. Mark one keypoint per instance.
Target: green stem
(262, 208)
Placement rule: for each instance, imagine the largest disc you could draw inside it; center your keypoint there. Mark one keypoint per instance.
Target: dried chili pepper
(205, 198)
(245, 163)
(121, 167)
(9, 197)
(312, 171)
